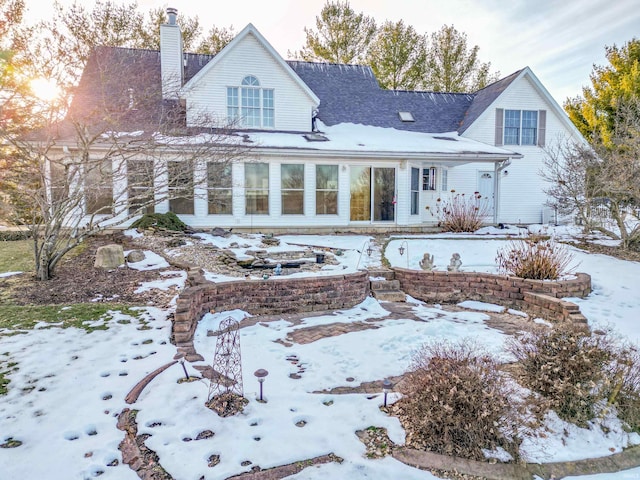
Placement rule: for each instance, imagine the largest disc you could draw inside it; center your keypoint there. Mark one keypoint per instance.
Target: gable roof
(483, 98)
(250, 30)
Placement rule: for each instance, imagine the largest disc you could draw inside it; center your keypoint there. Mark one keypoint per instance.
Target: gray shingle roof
(351, 94)
(348, 93)
(485, 97)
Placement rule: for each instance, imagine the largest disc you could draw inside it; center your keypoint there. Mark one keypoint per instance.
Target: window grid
(520, 127)
(512, 127)
(233, 107)
(529, 127)
(254, 106)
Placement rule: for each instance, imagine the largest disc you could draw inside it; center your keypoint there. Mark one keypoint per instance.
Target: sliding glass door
(373, 192)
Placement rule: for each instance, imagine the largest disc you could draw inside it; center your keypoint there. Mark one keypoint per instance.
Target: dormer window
(249, 105)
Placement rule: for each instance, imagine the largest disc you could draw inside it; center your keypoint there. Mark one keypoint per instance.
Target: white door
(486, 190)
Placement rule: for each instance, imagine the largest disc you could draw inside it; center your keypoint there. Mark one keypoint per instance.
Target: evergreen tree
(341, 35)
(397, 56)
(452, 66)
(613, 88)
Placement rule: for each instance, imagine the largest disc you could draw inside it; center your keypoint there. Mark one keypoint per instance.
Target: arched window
(251, 105)
(250, 81)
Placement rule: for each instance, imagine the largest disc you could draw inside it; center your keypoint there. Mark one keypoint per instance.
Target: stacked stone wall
(539, 298)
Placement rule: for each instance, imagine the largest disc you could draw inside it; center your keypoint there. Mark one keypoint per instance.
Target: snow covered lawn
(70, 385)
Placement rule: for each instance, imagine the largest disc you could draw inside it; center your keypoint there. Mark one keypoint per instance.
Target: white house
(331, 149)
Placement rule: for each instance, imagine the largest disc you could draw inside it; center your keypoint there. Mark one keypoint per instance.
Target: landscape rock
(135, 256)
(109, 256)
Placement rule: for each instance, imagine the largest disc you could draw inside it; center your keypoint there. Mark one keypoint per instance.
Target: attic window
(406, 116)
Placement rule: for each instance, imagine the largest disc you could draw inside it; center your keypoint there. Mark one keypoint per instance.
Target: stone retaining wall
(262, 297)
(536, 297)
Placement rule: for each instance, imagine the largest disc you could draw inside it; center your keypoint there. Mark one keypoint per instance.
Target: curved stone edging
(629, 458)
(536, 297)
(261, 297)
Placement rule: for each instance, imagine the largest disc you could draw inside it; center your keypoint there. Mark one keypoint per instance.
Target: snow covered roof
(380, 141)
(126, 83)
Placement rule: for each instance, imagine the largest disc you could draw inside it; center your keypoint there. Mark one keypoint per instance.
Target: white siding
(208, 99)
(522, 196)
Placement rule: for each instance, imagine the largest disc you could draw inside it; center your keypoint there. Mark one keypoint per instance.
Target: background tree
(341, 35)
(397, 56)
(452, 66)
(148, 35)
(612, 87)
(215, 40)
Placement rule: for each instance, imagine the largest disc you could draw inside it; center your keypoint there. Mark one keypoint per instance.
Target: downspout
(498, 167)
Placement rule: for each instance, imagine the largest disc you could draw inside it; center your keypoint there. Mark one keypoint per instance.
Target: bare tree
(117, 153)
(566, 167)
(585, 177)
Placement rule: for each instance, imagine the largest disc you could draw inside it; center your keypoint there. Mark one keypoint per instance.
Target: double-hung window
(219, 193)
(180, 187)
(251, 105)
(292, 188)
(326, 189)
(140, 180)
(256, 178)
(520, 127)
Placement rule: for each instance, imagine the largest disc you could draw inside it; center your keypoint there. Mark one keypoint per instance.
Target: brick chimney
(171, 65)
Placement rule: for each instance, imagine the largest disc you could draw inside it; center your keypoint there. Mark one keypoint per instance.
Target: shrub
(535, 259)
(462, 213)
(161, 221)
(14, 235)
(624, 386)
(456, 402)
(567, 366)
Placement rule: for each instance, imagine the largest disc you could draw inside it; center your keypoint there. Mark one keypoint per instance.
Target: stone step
(385, 273)
(389, 295)
(385, 285)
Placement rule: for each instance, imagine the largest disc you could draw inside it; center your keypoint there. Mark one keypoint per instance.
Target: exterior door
(486, 189)
(373, 192)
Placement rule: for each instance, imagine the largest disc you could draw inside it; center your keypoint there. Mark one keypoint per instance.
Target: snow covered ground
(70, 385)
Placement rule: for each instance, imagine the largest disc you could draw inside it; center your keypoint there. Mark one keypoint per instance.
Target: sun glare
(45, 89)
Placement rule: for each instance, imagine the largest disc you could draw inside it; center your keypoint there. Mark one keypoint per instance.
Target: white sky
(560, 40)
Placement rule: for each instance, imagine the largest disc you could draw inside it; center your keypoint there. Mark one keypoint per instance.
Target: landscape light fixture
(260, 374)
(180, 358)
(402, 250)
(369, 250)
(387, 387)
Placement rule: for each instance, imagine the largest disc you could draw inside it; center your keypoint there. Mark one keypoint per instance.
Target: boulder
(109, 256)
(135, 256)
